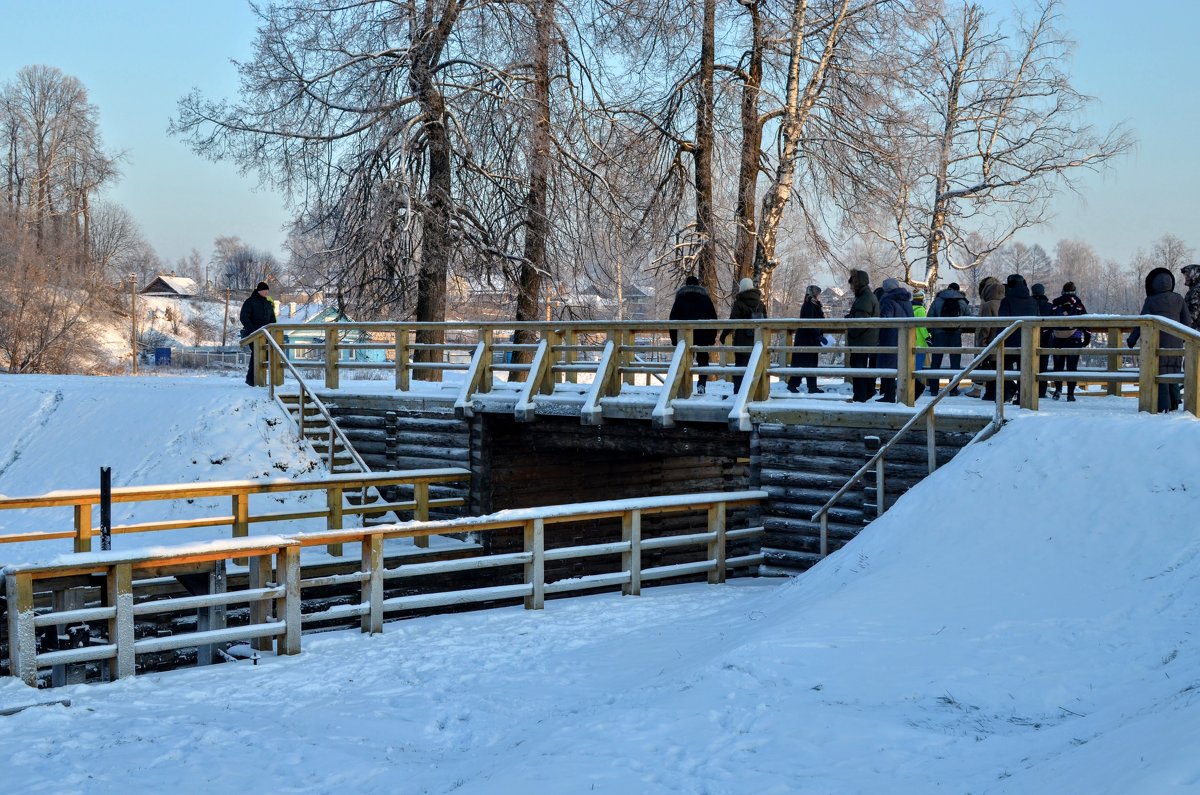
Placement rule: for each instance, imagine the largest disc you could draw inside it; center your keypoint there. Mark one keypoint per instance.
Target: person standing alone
(257, 311)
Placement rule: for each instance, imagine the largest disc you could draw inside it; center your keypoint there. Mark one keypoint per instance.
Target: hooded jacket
(1191, 277)
(1162, 300)
(991, 293)
(948, 336)
(1017, 302)
(896, 302)
(692, 302)
(811, 309)
(747, 306)
(865, 305)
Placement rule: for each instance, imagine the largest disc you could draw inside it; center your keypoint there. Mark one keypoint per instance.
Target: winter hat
(262, 286)
(890, 284)
(813, 290)
(691, 280)
(1014, 279)
(1069, 288)
(918, 294)
(954, 286)
(1038, 289)
(745, 284)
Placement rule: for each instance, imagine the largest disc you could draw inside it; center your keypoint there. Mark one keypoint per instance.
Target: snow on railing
(275, 585)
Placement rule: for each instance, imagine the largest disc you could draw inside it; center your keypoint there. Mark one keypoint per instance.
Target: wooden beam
(631, 561)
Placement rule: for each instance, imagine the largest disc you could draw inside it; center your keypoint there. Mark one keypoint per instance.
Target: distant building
(318, 315)
(171, 286)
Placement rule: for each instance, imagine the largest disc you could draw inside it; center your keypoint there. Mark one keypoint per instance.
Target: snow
(1022, 621)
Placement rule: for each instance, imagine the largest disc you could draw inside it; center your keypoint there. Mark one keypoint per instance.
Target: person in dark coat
(1017, 302)
(1046, 309)
(865, 305)
(1162, 300)
(257, 311)
(1191, 277)
(947, 303)
(692, 302)
(896, 302)
(811, 309)
(747, 306)
(1067, 305)
(991, 293)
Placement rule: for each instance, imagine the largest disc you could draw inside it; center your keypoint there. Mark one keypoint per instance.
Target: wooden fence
(610, 356)
(276, 585)
(84, 501)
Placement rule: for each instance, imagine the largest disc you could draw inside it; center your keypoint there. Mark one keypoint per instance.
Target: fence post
(332, 374)
(372, 587)
(631, 560)
(83, 528)
(931, 441)
(535, 570)
(1191, 377)
(334, 520)
(825, 534)
(571, 356)
(258, 349)
(22, 635)
(241, 520)
(1114, 359)
(627, 353)
(1029, 367)
(120, 627)
(289, 568)
(716, 547)
(486, 376)
(685, 367)
(402, 372)
(906, 362)
(260, 575)
(1148, 368)
(276, 362)
(421, 509)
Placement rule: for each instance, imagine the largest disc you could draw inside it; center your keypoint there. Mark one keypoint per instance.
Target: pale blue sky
(138, 57)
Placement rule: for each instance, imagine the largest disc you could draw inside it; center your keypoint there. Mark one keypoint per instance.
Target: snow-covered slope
(59, 430)
(1021, 622)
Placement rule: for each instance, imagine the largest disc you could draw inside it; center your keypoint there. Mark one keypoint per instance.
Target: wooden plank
(372, 589)
(83, 528)
(22, 636)
(631, 561)
(716, 548)
(290, 609)
(535, 570)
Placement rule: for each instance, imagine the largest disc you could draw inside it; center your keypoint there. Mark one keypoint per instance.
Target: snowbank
(1020, 622)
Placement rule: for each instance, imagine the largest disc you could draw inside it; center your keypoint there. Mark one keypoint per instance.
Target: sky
(138, 57)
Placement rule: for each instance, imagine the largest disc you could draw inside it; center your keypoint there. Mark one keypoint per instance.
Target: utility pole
(133, 320)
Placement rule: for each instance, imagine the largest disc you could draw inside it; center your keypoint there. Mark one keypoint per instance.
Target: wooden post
(1029, 368)
(486, 375)
(825, 534)
(1148, 368)
(535, 570)
(906, 363)
(83, 528)
(334, 520)
(258, 349)
(631, 561)
(1191, 377)
(276, 362)
(627, 353)
(761, 389)
(22, 635)
(241, 519)
(1114, 359)
(332, 373)
(931, 441)
(571, 356)
(549, 377)
(372, 588)
(260, 611)
(716, 547)
(685, 383)
(402, 371)
(289, 610)
(120, 627)
(209, 618)
(421, 509)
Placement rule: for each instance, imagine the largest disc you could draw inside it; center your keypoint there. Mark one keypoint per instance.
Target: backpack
(951, 307)
(758, 313)
(1067, 310)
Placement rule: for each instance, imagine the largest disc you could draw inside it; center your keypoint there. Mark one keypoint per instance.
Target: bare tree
(992, 128)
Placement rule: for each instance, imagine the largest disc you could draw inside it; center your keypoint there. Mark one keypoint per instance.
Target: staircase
(316, 426)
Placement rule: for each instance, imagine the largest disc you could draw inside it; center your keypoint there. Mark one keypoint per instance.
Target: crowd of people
(1013, 297)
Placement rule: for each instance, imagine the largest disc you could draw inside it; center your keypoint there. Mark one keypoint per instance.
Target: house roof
(171, 285)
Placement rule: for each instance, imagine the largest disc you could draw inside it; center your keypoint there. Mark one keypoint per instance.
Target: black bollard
(105, 508)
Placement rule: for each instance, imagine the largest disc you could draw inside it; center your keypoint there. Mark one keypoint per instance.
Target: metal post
(105, 508)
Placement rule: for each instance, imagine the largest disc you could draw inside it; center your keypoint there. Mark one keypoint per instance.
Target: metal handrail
(927, 411)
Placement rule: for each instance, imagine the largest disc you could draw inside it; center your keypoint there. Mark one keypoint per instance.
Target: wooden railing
(276, 585)
(608, 357)
(83, 501)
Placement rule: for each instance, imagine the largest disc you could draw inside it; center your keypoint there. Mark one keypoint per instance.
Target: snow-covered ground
(1021, 622)
(59, 431)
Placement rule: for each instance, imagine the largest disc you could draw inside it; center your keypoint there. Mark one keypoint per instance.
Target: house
(318, 315)
(169, 285)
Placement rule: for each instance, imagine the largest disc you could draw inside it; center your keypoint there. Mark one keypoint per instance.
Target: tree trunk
(703, 152)
(745, 243)
(537, 222)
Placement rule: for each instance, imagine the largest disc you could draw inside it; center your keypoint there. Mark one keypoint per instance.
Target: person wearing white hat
(747, 306)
